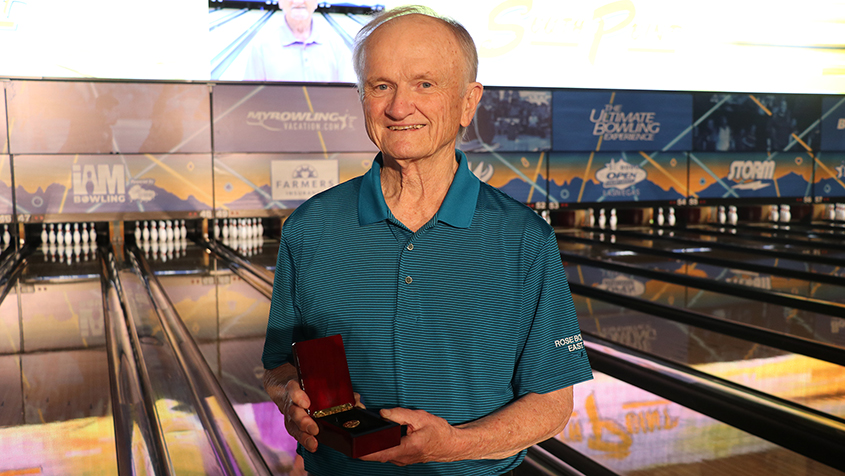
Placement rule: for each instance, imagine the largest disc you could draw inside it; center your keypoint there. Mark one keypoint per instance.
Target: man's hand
(429, 438)
(282, 385)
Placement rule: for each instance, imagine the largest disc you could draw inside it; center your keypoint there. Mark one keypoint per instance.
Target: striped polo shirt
(460, 318)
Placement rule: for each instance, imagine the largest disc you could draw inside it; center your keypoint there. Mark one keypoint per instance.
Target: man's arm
(282, 384)
(526, 421)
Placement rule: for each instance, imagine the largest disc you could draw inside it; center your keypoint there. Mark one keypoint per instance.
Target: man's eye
(426, 85)
(381, 87)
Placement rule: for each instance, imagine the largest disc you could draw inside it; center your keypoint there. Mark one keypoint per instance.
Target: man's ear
(471, 100)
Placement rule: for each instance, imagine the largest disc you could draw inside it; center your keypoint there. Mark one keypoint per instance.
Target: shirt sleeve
(553, 356)
(284, 315)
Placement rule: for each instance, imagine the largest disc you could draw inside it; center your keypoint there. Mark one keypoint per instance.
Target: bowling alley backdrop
(100, 150)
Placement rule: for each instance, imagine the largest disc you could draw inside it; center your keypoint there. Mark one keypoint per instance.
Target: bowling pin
(170, 233)
(732, 215)
(77, 238)
(92, 235)
(660, 218)
(44, 237)
(613, 220)
(722, 216)
(162, 232)
(137, 232)
(774, 215)
(68, 235)
(86, 235)
(154, 233)
(260, 228)
(830, 212)
(52, 234)
(602, 219)
(591, 218)
(145, 233)
(7, 238)
(671, 218)
(225, 230)
(839, 214)
(60, 237)
(183, 230)
(785, 214)
(216, 230)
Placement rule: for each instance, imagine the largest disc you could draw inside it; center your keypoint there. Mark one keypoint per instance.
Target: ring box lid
(324, 374)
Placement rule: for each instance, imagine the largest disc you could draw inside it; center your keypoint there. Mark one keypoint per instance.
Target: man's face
(298, 9)
(415, 88)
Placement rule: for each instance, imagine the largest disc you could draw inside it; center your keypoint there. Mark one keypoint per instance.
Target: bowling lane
(56, 413)
(228, 319)
(835, 257)
(800, 323)
(686, 264)
(776, 234)
(646, 239)
(635, 432)
(802, 380)
(793, 232)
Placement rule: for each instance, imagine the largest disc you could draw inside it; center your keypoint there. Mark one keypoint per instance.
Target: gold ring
(351, 423)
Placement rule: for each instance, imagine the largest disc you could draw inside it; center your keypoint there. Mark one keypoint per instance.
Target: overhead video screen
(623, 44)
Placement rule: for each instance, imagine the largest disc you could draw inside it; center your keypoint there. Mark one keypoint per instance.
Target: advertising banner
(522, 176)
(511, 120)
(833, 123)
(621, 121)
(99, 117)
(829, 175)
(750, 175)
(288, 119)
(57, 187)
(595, 177)
(749, 122)
(274, 184)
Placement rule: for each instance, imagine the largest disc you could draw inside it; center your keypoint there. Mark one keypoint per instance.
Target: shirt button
(410, 247)
(408, 280)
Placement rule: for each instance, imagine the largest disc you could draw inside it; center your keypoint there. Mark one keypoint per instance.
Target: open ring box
(324, 376)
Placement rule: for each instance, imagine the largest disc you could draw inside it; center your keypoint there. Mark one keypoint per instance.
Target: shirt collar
(288, 38)
(457, 208)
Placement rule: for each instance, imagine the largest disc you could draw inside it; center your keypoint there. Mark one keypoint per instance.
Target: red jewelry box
(324, 376)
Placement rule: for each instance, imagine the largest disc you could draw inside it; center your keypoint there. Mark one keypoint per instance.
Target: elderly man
(450, 296)
(294, 47)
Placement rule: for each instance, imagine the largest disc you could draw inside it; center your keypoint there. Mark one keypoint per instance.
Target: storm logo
(107, 186)
(300, 121)
(620, 174)
(750, 173)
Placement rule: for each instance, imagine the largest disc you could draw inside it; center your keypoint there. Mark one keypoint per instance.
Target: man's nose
(401, 104)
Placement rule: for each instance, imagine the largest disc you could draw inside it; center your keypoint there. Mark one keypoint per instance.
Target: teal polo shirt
(458, 319)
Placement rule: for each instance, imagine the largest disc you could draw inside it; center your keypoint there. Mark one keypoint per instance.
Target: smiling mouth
(406, 128)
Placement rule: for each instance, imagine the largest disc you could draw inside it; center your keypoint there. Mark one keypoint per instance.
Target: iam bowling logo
(99, 183)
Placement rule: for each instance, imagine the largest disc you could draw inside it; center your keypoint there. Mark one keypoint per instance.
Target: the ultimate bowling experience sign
(621, 121)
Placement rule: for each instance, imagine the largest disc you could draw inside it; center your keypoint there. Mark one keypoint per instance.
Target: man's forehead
(414, 23)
